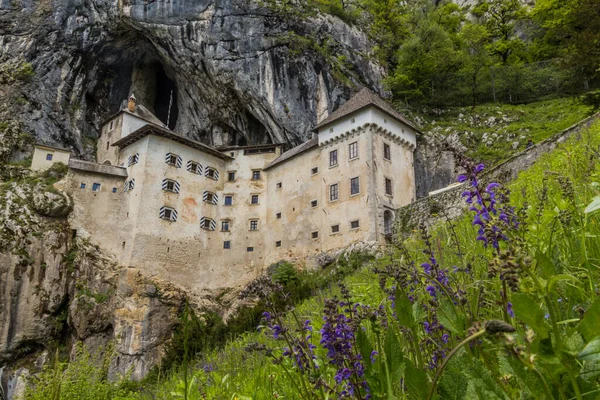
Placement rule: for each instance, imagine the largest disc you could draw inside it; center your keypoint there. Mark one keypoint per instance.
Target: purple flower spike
(509, 309)
(462, 178)
(479, 168)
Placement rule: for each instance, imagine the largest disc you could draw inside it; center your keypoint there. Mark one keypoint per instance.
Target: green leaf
(545, 265)
(591, 351)
(590, 323)
(551, 288)
(448, 317)
(594, 206)
(415, 380)
(404, 311)
(453, 383)
(393, 357)
(364, 347)
(529, 311)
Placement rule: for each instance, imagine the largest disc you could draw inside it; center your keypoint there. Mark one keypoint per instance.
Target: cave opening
(165, 98)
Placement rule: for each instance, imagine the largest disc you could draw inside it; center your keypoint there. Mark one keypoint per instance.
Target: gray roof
(140, 112)
(294, 152)
(166, 133)
(52, 147)
(360, 100)
(97, 168)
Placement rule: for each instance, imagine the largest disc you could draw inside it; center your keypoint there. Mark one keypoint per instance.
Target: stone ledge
(98, 168)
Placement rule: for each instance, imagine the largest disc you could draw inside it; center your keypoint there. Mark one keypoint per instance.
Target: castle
(207, 217)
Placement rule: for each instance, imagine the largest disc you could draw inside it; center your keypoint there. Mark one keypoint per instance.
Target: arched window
(388, 222)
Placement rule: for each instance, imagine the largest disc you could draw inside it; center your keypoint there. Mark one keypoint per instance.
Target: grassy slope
(238, 373)
(494, 132)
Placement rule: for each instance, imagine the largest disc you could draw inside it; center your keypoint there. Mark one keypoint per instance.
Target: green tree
(475, 39)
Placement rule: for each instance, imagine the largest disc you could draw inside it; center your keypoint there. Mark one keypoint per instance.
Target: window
(354, 224)
(208, 224)
(129, 185)
(256, 175)
(229, 200)
(388, 186)
(225, 226)
(168, 213)
(314, 234)
(353, 120)
(387, 151)
(254, 199)
(212, 173)
(314, 203)
(278, 215)
(49, 157)
(335, 228)
(333, 161)
(249, 249)
(134, 159)
(278, 243)
(82, 186)
(353, 150)
(231, 176)
(114, 190)
(107, 145)
(194, 167)
(210, 197)
(330, 129)
(314, 171)
(254, 225)
(111, 126)
(173, 159)
(333, 192)
(169, 185)
(96, 187)
(278, 185)
(227, 244)
(354, 186)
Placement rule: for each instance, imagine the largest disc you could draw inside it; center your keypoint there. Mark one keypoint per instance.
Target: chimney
(131, 103)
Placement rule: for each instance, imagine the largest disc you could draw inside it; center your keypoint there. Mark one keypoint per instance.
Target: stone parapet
(98, 168)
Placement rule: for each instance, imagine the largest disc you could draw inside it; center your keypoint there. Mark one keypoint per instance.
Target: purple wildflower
(509, 309)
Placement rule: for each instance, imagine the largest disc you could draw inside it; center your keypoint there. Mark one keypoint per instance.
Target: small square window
(49, 157)
(335, 228)
(172, 159)
(314, 203)
(314, 171)
(82, 186)
(314, 234)
(254, 199)
(168, 214)
(278, 243)
(278, 215)
(227, 244)
(254, 225)
(353, 120)
(114, 190)
(231, 176)
(278, 185)
(228, 200)
(330, 129)
(354, 224)
(256, 175)
(249, 249)
(96, 187)
(210, 197)
(170, 186)
(225, 226)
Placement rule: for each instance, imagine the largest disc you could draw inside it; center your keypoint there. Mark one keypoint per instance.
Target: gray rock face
(233, 72)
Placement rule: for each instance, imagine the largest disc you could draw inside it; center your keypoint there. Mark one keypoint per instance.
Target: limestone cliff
(233, 71)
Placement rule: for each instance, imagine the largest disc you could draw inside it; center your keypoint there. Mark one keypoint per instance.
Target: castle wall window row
(194, 167)
(134, 159)
(174, 160)
(169, 185)
(208, 224)
(168, 213)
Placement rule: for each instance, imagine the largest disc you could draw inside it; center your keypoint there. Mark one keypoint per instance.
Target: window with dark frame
(225, 226)
(49, 157)
(254, 225)
(354, 186)
(172, 159)
(231, 176)
(254, 199)
(212, 173)
(278, 243)
(228, 200)
(335, 228)
(388, 187)
(314, 170)
(314, 234)
(278, 215)
(256, 175)
(96, 187)
(314, 203)
(209, 197)
(170, 186)
(82, 186)
(207, 223)
(249, 249)
(387, 151)
(278, 185)
(114, 190)
(333, 158)
(354, 224)
(353, 150)
(227, 244)
(333, 192)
